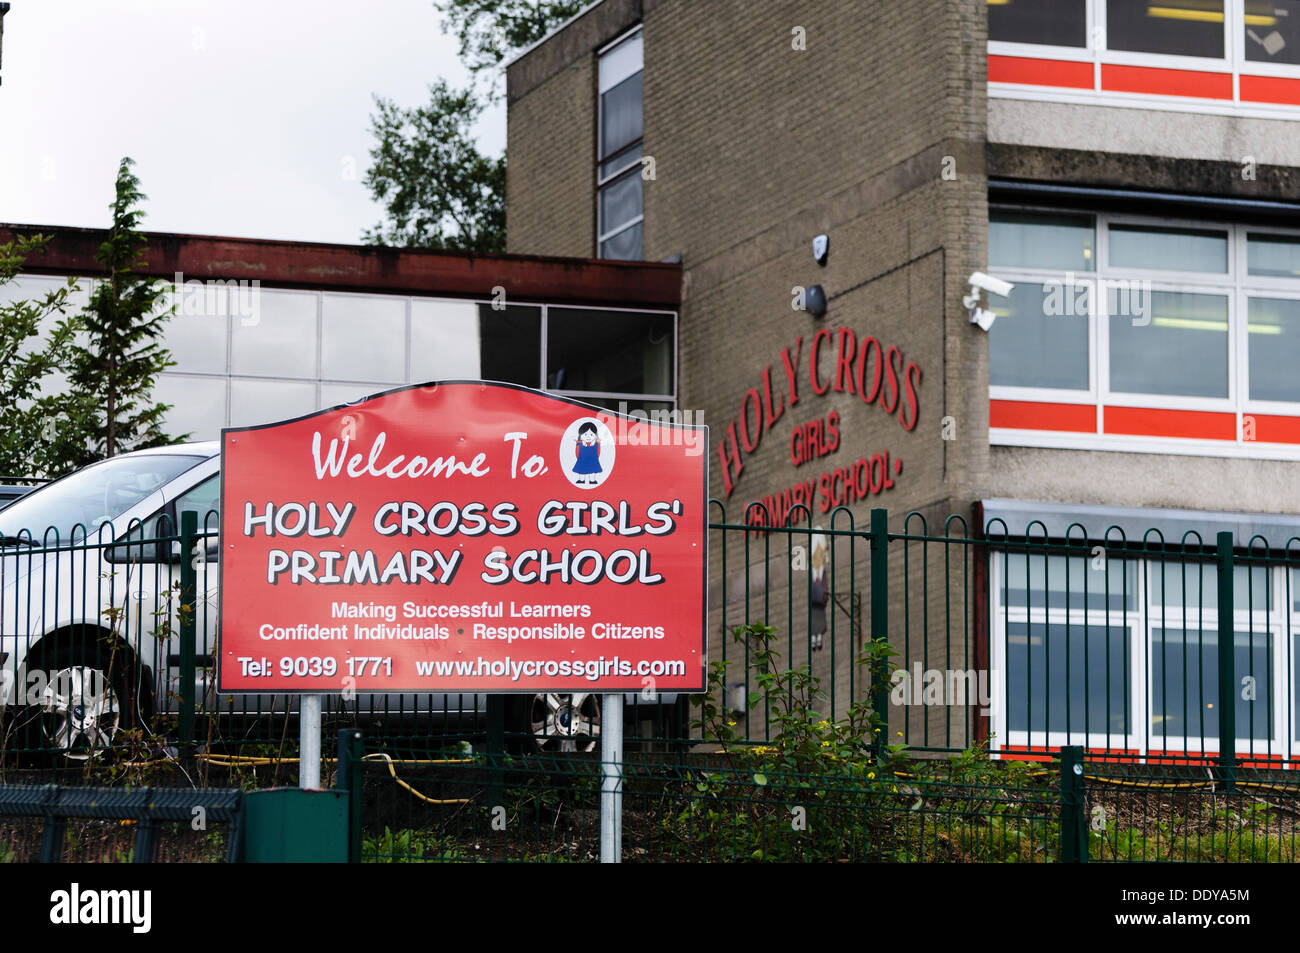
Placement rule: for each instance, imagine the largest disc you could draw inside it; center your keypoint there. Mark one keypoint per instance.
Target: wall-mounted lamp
(814, 300)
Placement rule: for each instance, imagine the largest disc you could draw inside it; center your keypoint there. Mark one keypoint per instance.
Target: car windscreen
(92, 496)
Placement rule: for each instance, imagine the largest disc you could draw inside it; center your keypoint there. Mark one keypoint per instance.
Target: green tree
(438, 190)
(115, 362)
(490, 30)
(33, 438)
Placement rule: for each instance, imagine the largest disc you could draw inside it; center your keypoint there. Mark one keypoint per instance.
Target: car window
(92, 496)
(205, 500)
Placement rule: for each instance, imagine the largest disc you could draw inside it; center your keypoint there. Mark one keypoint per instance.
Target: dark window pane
(620, 352)
(511, 341)
(1272, 29)
(1273, 343)
(1028, 347)
(1185, 684)
(652, 409)
(1028, 240)
(620, 115)
(1181, 349)
(1178, 27)
(625, 246)
(1052, 22)
(1071, 677)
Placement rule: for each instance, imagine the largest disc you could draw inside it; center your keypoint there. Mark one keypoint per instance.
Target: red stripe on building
(1041, 415)
(1206, 758)
(1149, 422)
(1270, 89)
(1039, 72)
(1271, 429)
(1166, 82)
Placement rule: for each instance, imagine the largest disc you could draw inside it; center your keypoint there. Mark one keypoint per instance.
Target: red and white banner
(463, 537)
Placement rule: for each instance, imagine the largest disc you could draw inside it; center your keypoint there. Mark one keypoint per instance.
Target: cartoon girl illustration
(587, 449)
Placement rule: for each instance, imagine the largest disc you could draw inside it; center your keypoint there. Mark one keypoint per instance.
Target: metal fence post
(1227, 667)
(188, 620)
(1074, 826)
(880, 622)
(350, 779)
(496, 749)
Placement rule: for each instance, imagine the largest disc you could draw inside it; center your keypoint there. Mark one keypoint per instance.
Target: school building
(1122, 175)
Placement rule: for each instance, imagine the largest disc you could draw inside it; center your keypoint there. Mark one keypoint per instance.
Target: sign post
(465, 538)
(611, 780)
(309, 707)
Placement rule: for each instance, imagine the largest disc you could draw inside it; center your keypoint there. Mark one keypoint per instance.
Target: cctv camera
(990, 284)
(983, 317)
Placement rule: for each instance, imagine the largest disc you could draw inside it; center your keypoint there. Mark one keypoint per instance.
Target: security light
(821, 246)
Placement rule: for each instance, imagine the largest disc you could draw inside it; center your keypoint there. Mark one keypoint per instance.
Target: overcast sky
(245, 117)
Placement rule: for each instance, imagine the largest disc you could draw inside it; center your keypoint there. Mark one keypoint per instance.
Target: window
(619, 198)
(1175, 27)
(609, 352)
(1272, 31)
(1050, 22)
(1122, 653)
(1129, 330)
(284, 353)
(1226, 56)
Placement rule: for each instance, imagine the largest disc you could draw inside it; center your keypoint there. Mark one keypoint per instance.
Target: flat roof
(367, 268)
(506, 64)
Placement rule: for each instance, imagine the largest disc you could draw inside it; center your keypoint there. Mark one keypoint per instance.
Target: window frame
(1233, 64)
(227, 376)
(605, 182)
(1235, 284)
(1281, 622)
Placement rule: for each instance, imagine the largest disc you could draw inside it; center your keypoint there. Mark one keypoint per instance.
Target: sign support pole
(611, 785)
(309, 707)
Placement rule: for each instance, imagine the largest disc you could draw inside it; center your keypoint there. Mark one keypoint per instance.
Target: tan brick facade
(874, 134)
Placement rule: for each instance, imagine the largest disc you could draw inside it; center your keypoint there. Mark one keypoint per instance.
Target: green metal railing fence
(1001, 636)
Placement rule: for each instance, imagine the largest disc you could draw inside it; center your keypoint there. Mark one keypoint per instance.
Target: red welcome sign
(463, 537)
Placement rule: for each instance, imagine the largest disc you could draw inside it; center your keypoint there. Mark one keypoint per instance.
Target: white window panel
(198, 405)
(363, 337)
(198, 342)
(444, 340)
(263, 401)
(282, 340)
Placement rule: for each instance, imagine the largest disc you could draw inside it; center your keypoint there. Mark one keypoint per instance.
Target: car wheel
(86, 704)
(81, 712)
(557, 722)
